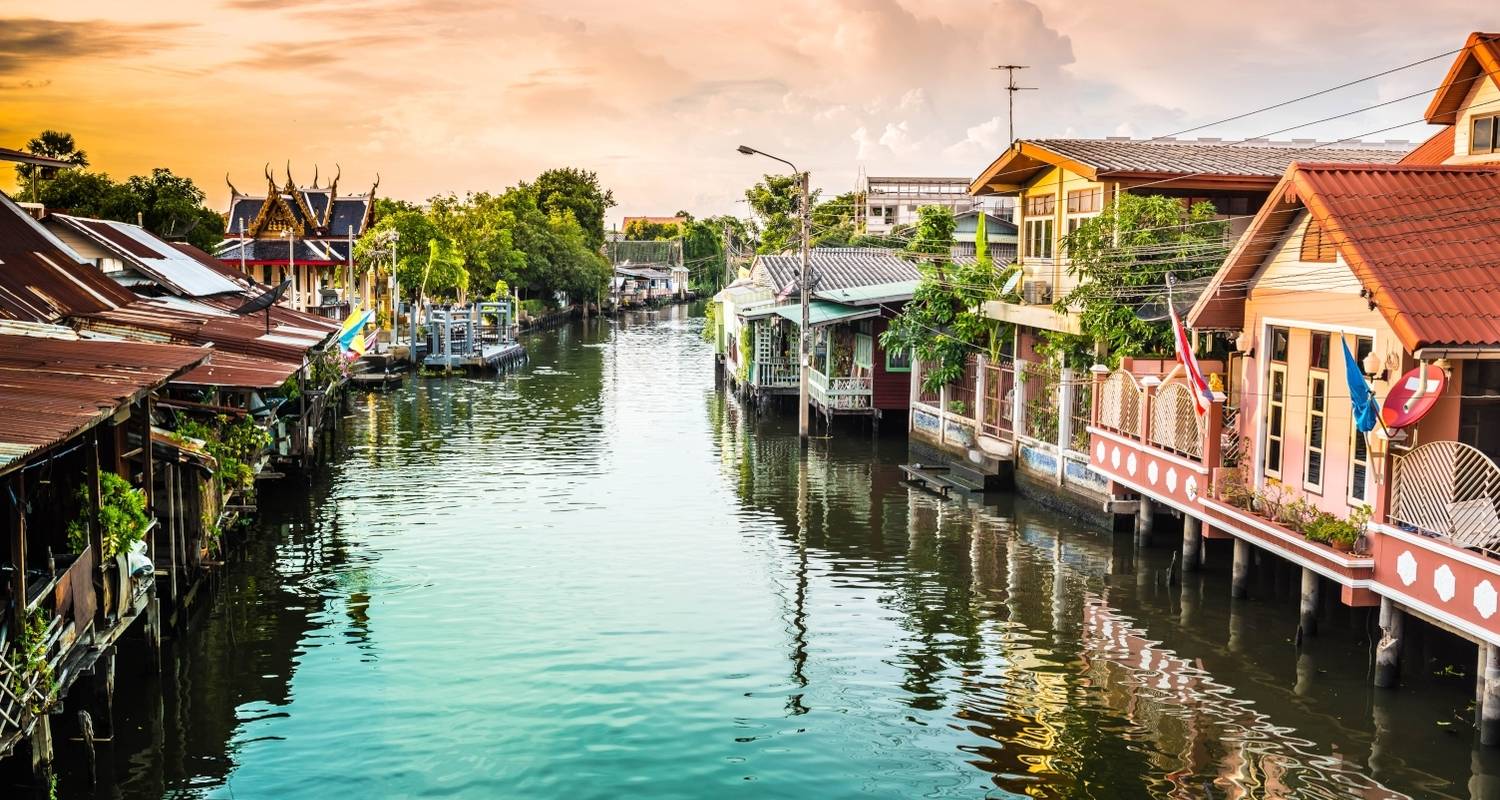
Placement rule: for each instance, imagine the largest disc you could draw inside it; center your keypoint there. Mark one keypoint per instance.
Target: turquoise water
(598, 577)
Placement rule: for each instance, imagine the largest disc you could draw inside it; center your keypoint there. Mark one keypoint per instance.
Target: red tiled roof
(1425, 240)
(1480, 57)
(1433, 151)
(52, 389)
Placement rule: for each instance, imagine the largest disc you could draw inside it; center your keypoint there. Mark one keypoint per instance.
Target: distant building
(299, 232)
(999, 233)
(890, 202)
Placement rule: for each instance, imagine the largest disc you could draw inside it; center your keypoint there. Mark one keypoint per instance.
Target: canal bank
(599, 576)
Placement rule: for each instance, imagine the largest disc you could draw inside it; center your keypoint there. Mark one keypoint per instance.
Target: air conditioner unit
(1036, 293)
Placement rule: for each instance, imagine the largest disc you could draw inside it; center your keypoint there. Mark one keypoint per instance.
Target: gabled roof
(1435, 150)
(1480, 57)
(54, 387)
(1423, 240)
(213, 321)
(170, 268)
(837, 268)
(1195, 163)
(276, 251)
(44, 280)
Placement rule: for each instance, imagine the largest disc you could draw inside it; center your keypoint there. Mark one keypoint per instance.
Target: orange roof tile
(1433, 151)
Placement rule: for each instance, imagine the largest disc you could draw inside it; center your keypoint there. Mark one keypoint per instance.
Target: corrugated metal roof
(1269, 160)
(44, 280)
(52, 389)
(176, 271)
(224, 368)
(835, 268)
(900, 291)
(211, 321)
(1424, 239)
(819, 312)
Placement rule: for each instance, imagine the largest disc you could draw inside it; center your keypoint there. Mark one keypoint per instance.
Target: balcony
(842, 394)
(776, 373)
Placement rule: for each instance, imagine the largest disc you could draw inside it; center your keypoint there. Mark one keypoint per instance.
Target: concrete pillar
(1307, 620)
(1489, 715)
(1144, 513)
(1239, 577)
(1192, 543)
(1483, 655)
(1388, 651)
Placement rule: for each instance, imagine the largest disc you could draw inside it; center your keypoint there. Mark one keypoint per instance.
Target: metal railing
(1083, 402)
(1448, 489)
(776, 373)
(999, 385)
(961, 394)
(1175, 423)
(1120, 404)
(842, 393)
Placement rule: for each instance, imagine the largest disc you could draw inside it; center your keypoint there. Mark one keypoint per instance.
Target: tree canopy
(776, 202)
(52, 144)
(1122, 257)
(576, 191)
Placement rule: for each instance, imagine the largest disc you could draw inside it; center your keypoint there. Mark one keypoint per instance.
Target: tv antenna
(1011, 88)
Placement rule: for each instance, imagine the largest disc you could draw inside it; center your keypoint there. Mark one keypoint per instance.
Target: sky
(460, 95)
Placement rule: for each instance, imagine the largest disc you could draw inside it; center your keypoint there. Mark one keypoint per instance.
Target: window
(898, 361)
(1039, 238)
(1318, 358)
(1279, 339)
(1275, 420)
(1086, 201)
(1479, 409)
(1317, 429)
(1484, 134)
(1317, 245)
(1359, 453)
(1041, 205)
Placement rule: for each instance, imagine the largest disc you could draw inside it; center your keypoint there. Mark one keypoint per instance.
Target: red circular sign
(1410, 400)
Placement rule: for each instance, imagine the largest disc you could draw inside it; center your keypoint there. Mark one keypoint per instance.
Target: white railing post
(1064, 417)
(1018, 400)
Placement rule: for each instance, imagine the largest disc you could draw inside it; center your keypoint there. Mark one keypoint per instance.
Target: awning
(819, 312)
(897, 292)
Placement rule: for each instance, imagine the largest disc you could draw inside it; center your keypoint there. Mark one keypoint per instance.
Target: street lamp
(804, 340)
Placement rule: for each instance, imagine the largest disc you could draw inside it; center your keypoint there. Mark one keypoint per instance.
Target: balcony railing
(841, 393)
(1448, 489)
(1175, 423)
(1120, 404)
(776, 373)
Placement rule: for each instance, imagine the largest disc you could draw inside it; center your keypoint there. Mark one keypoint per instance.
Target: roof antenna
(1011, 88)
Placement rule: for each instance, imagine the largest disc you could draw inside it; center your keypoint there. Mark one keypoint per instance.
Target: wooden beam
(17, 525)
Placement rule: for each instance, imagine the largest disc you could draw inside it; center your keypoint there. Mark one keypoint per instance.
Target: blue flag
(1366, 411)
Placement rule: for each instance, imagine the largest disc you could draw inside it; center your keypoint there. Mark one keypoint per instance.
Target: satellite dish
(265, 300)
(1010, 283)
(1413, 396)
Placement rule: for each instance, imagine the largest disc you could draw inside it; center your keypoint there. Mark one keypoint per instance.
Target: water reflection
(600, 577)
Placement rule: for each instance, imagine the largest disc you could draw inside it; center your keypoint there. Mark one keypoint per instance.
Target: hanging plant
(122, 516)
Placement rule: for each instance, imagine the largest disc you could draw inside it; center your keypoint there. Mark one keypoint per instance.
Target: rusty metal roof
(211, 321)
(44, 280)
(53, 388)
(224, 368)
(1424, 240)
(174, 270)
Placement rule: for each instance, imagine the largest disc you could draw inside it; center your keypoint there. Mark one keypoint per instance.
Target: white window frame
(1271, 402)
(1315, 487)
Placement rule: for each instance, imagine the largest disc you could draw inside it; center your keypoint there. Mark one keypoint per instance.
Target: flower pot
(1342, 547)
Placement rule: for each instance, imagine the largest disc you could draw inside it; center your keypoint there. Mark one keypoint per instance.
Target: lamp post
(804, 338)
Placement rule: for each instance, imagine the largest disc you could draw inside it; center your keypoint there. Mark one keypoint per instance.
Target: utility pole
(802, 383)
(1011, 88)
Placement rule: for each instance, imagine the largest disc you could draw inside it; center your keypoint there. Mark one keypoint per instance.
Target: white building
(889, 202)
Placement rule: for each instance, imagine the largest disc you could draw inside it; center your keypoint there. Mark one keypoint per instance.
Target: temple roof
(311, 211)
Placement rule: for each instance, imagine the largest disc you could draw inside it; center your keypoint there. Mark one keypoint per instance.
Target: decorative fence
(961, 394)
(842, 393)
(1448, 489)
(931, 398)
(1120, 404)
(1083, 399)
(1043, 411)
(1175, 423)
(776, 373)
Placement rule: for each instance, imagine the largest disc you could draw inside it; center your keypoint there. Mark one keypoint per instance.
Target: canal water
(599, 577)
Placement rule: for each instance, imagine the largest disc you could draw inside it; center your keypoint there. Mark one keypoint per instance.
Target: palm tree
(52, 144)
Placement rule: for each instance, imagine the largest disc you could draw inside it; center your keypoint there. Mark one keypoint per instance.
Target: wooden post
(1307, 621)
(1239, 577)
(1192, 543)
(1388, 651)
(17, 526)
(96, 533)
(170, 477)
(1489, 726)
(1213, 438)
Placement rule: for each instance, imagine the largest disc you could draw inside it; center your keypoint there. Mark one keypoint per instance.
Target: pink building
(1401, 263)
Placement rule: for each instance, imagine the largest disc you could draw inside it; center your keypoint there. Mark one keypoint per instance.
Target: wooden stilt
(1489, 715)
(1144, 514)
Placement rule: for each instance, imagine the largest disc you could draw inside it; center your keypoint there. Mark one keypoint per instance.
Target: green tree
(777, 201)
(640, 230)
(52, 144)
(172, 207)
(833, 220)
(578, 192)
(414, 232)
(1121, 258)
(933, 239)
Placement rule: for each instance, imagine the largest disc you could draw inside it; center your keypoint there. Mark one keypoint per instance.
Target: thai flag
(1203, 396)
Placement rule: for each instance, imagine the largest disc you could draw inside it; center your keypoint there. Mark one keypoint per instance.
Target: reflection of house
(855, 291)
(891, 202)
(304, 233)
(1401, 264)
(633, 286)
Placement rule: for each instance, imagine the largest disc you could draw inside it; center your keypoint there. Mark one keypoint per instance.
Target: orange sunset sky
(453, 95)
